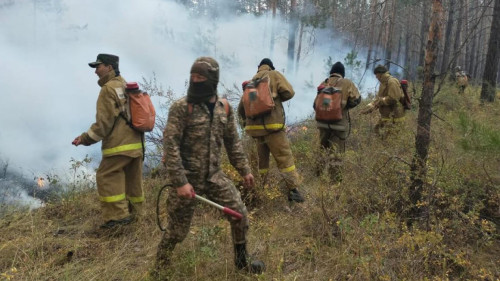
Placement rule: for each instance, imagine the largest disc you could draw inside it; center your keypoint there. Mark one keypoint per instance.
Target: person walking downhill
(197, 127)
(119, 176)
(269, 130)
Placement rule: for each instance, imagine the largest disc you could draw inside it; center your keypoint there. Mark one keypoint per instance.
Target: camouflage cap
(106, 59)
(207, 67)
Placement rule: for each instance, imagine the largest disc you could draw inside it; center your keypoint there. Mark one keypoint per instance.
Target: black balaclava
(199, 92)
(338, 68)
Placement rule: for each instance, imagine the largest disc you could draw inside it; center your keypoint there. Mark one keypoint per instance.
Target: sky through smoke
(49, 92)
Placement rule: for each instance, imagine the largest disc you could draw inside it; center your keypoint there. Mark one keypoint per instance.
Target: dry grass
(355, 230)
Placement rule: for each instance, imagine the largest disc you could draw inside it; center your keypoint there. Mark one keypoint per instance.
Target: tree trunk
(479, 54)
(390, 30)
(467, 54)
(488, 89)
(458, 33)
(273, 27)
(473, 51)
(370, 35)
(423, 137)
(424, 28)
(299, 48)
(447, 38)
(292, 30)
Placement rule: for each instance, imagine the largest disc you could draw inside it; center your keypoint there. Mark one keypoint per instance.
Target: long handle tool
(226, 210)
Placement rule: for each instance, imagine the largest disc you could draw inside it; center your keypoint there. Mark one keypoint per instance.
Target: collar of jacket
(336, 75)
(385, 77)
(264, 67)
(103, 80)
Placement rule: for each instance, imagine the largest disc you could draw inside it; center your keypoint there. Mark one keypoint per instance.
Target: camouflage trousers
(180, 212)
(119, 184)
(333, 147)
(277, 144)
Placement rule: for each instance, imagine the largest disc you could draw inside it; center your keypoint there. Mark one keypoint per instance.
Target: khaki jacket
(117, 137)
(275, 120)
(350, 94)
(193, 144)
(388, 97)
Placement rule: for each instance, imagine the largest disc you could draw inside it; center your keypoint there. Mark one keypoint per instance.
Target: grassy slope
(351, 231)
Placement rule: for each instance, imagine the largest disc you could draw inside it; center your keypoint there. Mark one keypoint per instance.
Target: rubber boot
(241, 260)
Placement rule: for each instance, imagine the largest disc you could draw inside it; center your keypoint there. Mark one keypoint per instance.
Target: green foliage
(477, 136)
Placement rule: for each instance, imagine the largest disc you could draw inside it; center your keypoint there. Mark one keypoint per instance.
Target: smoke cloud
(49, 91)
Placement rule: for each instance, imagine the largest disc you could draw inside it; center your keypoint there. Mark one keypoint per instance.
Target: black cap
(380, 69)
(338, 68)
(106, 59)
(267, 61)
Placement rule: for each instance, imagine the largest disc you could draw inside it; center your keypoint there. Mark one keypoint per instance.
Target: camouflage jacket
(388, 97)
(275, 120)
(117, 137)
(192, 143)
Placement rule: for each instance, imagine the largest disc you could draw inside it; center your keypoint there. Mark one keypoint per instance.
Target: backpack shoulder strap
(226, 105)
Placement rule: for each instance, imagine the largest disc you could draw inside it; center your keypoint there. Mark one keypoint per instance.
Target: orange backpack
(328, 104)
(257, 98)
(141, 109)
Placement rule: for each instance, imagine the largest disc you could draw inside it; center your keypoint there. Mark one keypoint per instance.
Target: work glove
(369, 108)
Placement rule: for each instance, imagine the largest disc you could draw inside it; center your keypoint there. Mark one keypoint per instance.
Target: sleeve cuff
(86, 139)
(179, 181)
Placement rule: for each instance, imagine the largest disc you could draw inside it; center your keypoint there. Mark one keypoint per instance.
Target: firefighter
(119, 176)
(269, 130)
(387, 102)
(197, 126)
(462, 79)
(333, 134)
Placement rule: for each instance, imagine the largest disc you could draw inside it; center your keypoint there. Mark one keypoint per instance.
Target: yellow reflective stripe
(262, 127)
(121, 148)
(289, 169)
(400, 119)
(136, 199)
(113, 198)
(263, 171)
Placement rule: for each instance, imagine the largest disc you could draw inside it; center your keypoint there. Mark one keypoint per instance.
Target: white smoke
(13, 193)
(49, 92)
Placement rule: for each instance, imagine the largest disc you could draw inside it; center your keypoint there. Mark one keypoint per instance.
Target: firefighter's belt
(331, 126)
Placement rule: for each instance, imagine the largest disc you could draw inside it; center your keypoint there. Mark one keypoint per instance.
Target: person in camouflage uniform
(269, 130)
(119, 176)
(333, 135)
(388, 103)
(197, 127)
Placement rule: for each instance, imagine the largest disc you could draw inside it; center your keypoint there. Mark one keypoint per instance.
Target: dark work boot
(114, 223)
(295, 196)
(241, 260)
(163, 256)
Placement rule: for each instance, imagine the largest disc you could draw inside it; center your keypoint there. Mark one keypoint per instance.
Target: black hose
(158, 207)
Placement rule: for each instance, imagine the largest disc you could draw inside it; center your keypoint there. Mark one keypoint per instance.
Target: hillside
(355, 230)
